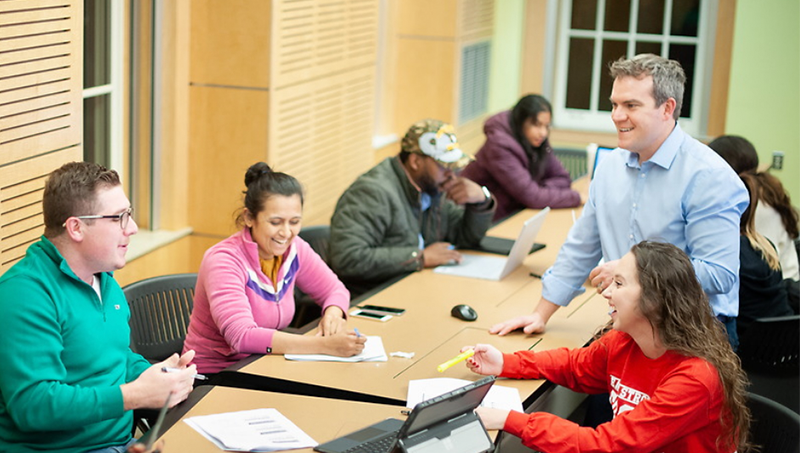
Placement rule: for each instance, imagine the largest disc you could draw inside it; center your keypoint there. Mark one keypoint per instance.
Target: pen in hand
(200, 377)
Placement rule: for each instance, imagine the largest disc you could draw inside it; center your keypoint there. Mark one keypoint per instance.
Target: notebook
(446, 423)
(495, 267)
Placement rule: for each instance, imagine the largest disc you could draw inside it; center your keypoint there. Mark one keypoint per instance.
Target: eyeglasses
(123, 217)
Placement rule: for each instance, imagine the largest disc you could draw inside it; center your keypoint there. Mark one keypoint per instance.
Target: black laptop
(446, 423)
(502, 246)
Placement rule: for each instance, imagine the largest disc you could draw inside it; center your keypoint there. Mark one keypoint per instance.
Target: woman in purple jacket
(245, 288)
(517, 163)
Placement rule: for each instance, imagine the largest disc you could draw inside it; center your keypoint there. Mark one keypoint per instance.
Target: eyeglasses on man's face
(122, 217)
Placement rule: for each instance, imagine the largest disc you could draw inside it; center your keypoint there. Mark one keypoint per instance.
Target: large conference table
(429, 332)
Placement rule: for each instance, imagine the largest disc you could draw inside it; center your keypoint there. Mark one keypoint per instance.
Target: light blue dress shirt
(685, 195)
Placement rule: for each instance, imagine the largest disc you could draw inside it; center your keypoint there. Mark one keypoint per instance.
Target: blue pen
(358, 334)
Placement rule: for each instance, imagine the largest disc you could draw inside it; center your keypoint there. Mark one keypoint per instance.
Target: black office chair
(774, 428)
(770, 353)
(160, 310)
(306, 310)
(317, 237)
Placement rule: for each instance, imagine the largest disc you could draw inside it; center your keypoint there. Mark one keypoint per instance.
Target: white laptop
(496, 267)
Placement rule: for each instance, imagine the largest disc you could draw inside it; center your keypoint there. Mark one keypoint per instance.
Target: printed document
(253, 430)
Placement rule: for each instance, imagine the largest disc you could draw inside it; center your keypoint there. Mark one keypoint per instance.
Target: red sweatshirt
(670, 404)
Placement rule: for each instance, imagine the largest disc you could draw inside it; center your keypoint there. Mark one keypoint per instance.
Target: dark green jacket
(375, 228)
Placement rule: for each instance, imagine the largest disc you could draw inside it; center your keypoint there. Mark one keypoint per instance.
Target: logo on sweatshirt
(624, 398)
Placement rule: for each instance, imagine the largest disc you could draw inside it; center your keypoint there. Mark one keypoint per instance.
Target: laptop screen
(600, 153)
(447, 406)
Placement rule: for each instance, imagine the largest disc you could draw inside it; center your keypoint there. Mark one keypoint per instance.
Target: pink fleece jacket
(237, 308)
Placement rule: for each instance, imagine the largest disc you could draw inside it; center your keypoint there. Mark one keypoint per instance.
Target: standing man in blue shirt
(659, 184)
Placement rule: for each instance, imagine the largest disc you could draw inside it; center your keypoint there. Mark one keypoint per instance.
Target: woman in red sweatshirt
(675, 384)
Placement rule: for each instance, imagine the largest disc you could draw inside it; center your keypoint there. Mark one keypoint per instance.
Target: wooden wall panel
(322, 96)
(21, 187)
(533, 47)
(321, 133)
(314, 39)
(230, 42)
(428, 59)
(435, 18)
(227, 134)
(721, 72)
(40, 111)
(426, 82)
(475, 19)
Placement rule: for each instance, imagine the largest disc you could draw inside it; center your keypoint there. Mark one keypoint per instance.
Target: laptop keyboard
(380, 445)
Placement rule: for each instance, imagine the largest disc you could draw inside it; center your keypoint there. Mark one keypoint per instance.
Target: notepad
(373, 352)
(253, 430)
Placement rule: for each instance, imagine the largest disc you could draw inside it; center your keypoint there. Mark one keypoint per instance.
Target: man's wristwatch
(486, 193)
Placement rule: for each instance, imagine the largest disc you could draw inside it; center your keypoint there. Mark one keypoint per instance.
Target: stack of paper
(254, 430)
(499, 397)
(373, 352)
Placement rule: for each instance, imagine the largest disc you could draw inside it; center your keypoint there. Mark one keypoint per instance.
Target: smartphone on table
(375, 316)
(381, 309)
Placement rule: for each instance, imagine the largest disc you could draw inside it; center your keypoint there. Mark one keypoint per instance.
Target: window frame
(114, 89)
(599, 121)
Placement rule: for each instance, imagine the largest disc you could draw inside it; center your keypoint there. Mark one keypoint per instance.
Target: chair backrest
(317, 237)
(772, 346)
(774, 427)
(160, 310)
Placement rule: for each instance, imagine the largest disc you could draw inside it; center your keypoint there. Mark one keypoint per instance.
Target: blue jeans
(730, 328)
(114, 449)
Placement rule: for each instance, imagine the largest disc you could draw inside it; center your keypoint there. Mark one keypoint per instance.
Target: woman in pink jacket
(517, 164)
(675, 384)
(245, 288)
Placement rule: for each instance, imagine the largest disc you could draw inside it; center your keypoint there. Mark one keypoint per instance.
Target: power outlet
(777, 160)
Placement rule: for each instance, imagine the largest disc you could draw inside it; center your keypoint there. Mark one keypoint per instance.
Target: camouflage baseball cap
(435, 139)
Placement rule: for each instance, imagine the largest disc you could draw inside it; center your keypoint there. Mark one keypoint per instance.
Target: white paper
(373, 352)
(253, 430)
(499, 397)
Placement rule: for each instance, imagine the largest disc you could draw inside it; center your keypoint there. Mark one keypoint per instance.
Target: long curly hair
(747, 227)
(674, 303)
(740, 154)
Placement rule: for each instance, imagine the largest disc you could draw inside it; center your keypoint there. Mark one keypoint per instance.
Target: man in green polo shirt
(69, 379)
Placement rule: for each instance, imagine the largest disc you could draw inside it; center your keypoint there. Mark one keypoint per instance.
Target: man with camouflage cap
(409, 211)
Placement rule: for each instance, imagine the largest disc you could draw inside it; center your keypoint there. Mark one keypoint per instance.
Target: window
(593, 33)
(102, 83)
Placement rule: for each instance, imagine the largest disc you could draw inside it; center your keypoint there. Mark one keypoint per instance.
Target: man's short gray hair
(668, 76)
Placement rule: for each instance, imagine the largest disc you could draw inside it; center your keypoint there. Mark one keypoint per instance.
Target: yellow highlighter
(457, 359)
